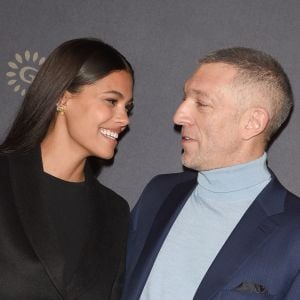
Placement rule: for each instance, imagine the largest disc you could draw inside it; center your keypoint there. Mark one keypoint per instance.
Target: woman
(62, 233)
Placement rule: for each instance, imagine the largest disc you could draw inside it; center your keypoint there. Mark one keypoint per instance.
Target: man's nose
(182, 116)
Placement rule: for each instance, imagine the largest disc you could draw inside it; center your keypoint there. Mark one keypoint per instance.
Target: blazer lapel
(25, 172)
(251, 231)
(160, 228)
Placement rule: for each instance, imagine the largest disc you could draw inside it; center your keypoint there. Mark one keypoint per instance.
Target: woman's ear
(64, 98)
(255, 122)
(61, 105)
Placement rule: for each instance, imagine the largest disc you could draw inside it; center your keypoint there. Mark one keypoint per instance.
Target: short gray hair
(261, 71)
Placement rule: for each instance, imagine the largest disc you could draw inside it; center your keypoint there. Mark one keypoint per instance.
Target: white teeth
(109, 134)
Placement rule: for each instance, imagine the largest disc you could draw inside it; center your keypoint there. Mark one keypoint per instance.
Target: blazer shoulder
(168, 181)
(157, 191)
(292, 210)
(289, 218)
(161, 185)
(292, 201)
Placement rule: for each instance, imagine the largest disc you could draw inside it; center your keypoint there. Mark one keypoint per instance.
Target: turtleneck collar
(235, 178)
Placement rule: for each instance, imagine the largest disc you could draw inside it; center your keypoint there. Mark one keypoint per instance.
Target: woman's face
(95, 116)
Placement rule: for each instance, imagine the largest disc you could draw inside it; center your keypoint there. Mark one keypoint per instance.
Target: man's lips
(186, 138)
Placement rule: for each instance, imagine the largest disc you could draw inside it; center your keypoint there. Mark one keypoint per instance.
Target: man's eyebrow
(202, 94)
(199, 93)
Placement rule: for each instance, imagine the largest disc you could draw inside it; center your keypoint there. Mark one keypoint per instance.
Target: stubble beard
(190, 163)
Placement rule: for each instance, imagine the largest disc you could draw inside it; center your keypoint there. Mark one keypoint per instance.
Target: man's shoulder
(291, 211)
(292, 201)
(169, 180)
(286, 204)
(158, 189)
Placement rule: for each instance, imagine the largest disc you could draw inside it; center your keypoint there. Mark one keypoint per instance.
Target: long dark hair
(70, 66)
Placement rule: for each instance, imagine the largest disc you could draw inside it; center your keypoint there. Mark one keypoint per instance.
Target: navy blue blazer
(259, 260)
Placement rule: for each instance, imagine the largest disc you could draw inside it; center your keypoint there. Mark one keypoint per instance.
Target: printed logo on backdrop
(23, 70)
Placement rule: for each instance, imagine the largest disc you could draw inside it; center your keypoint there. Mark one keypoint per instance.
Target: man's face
(210, 119)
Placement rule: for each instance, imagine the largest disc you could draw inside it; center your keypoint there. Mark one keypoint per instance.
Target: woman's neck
(60, 160)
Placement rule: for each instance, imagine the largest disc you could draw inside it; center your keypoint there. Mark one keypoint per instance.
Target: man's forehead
(213, 82)
(210, 74)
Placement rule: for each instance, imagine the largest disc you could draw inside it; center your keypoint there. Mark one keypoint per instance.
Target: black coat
(31, 262)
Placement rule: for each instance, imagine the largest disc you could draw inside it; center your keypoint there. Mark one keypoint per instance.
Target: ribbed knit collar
(235, 178)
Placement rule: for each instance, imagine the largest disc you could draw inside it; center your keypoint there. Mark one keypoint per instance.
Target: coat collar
(26, 175)
(252, 230)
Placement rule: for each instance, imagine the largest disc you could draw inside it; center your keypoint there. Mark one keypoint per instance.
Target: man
(231, 230)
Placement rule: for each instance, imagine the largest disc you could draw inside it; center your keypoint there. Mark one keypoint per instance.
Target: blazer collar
(26, 173)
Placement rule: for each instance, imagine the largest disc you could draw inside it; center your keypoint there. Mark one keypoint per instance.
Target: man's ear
(255, 121)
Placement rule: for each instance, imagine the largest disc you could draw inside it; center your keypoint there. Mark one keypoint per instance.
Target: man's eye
(201, 104)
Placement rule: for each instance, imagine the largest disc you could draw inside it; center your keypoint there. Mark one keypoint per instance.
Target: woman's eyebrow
(114, 92)
(120, 95)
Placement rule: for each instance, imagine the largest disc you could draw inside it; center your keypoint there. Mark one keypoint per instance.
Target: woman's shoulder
(115, 200)
(4, 172)
(3, 161)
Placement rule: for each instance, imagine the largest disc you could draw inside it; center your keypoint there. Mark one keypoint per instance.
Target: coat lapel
(25, 170)
(159, 230)
(249, 234)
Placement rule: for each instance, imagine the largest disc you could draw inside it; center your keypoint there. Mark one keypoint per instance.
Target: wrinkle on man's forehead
(210, 91)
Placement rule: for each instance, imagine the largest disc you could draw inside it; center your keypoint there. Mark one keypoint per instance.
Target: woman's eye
(113, 102)
(129, 107)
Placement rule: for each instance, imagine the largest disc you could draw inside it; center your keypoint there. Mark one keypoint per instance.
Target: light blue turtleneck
(210, 214)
